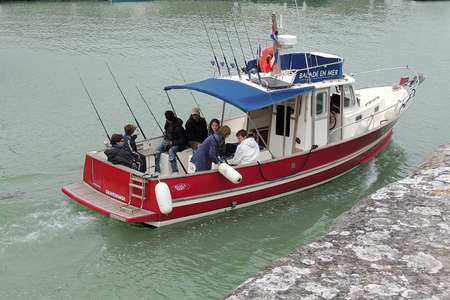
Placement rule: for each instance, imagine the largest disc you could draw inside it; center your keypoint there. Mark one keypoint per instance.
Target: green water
(52, 248)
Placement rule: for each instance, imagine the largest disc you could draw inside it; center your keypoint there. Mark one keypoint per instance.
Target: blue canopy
(243, 96)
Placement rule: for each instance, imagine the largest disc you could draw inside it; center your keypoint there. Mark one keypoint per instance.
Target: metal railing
(400, 106)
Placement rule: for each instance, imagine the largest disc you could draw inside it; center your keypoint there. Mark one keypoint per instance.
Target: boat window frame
(323, 113)
(348, 91)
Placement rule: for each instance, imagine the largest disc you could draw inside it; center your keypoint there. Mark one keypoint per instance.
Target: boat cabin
(301, 107)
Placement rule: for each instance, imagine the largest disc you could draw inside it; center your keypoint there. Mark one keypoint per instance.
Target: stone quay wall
(393, 244)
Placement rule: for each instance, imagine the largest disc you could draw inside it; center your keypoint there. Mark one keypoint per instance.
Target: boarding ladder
(136, 191)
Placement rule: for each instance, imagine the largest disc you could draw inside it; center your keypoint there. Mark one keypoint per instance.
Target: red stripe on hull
(302, 183)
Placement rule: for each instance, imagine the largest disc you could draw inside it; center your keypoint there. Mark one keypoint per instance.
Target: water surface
(52, 248)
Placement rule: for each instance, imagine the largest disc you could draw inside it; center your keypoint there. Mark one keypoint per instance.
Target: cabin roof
(244, 95)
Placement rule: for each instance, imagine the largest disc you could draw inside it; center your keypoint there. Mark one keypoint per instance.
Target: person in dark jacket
(196, 129)
(209, 151)
(119, 156)
(174, 141)
(129, 139)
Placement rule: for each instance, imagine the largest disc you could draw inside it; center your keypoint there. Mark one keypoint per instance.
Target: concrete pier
(393, 244)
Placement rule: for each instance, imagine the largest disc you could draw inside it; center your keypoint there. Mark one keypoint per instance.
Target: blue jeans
(172, 155)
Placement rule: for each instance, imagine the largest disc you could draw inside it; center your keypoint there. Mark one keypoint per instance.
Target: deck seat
(184, 158)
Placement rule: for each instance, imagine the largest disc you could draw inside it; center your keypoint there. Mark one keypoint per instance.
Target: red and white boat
(313, 127)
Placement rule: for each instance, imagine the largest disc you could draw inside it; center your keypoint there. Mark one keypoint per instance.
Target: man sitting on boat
(247, 151)
(174, 141)
(196, 129)
(118, 155)
(129, 139)
(209, 151)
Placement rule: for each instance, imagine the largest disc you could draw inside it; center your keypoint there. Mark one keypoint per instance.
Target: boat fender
(230, 173)
(265, 62)
(163, 198)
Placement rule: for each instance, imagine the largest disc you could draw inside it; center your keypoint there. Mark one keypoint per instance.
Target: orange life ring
(265, 61)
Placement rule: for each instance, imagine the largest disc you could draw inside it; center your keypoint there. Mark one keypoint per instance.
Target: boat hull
(203, 194)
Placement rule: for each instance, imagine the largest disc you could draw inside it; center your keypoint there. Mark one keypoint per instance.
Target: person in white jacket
(247, 151)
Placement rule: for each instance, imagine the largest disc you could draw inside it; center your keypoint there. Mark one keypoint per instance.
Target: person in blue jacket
(209, 151)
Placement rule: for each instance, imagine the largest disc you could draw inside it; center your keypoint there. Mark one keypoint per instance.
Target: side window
(281, 117)
(349, 97)
(321, 103)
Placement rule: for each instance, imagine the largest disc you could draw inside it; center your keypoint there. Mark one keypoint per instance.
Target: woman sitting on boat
(247, 151)
(209, 151)
(214, 125)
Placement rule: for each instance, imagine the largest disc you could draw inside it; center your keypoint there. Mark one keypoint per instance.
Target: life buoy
(265, 61)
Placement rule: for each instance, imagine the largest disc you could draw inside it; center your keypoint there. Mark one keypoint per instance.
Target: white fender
(230, 173)
(163, 197)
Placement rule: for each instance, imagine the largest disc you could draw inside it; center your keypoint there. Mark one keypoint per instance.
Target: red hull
(201, 194)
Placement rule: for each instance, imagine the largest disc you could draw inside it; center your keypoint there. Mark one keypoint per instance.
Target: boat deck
(110, 207)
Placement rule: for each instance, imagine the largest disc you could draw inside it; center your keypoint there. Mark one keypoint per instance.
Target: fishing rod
(250, 43)
(192, 94)
(159, 126)
(225, 60)
(170, 102)
(148, 107)
(220, 46)
(96, 111)
(210, 44)
(246, 31)
(232, 51)
(240, 44)
(125, 99)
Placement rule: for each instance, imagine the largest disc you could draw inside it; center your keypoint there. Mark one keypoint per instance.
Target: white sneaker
(175, 173)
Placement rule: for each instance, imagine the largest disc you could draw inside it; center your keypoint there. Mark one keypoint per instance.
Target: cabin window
(349, 97)
(283, 119)
(321, 103)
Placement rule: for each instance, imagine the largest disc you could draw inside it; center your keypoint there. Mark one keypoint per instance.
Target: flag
(403, 80)
(274, 34)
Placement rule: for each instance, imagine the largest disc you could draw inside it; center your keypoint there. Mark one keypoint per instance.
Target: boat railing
(371, 116)
(400, 106)
(412, 81)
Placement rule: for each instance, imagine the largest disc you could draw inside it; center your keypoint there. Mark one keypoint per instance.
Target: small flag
(403, 80)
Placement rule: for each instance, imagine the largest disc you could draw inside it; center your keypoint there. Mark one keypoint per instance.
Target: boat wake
(46, 225)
